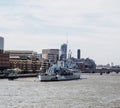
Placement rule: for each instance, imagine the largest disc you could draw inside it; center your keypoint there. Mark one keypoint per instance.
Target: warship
(58, 72)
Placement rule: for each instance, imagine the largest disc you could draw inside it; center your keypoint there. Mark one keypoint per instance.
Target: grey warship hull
(59, 77)
(58, 72)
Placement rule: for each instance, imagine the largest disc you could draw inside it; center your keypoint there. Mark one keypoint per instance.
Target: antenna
(67, 37)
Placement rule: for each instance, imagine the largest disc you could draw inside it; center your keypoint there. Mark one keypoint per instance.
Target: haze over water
(91, 91)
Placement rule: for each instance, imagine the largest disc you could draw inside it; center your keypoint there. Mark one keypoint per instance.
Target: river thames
(91, 91)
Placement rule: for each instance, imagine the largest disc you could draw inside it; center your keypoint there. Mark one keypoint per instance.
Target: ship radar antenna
(67, 43)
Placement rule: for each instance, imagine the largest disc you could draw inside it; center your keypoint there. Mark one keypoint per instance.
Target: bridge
(102, 70)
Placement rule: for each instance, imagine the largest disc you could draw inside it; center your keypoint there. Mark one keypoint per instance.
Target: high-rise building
(1, 44)
(4, 61)
(4, 58)
(63, 49)
(78, 54)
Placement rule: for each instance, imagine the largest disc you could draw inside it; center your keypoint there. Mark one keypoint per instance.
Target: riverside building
(50, 54)
(25, 60)
(4, 58)
(22, 54)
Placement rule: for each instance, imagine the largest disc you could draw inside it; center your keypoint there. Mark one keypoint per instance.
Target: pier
(21, 75)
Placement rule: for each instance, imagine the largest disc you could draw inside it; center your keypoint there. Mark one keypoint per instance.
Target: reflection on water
(91, 91)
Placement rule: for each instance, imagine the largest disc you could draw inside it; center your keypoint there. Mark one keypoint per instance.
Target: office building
(1, 44)
(78, 54)
(63, 49)
(22, 54)
(4, 61)
(50, 54)
(4, 58)
(39, 56)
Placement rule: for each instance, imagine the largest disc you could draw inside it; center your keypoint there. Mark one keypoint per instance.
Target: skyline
(92, 26)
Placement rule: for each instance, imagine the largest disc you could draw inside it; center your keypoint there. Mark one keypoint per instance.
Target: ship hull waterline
(46, 78)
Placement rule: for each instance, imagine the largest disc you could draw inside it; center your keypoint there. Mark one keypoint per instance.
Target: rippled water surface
(91, 91)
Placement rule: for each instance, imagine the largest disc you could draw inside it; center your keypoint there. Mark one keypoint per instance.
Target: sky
(90, 25)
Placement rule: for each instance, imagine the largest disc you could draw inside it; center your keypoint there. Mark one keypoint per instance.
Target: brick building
(4, 61)
(28, 66)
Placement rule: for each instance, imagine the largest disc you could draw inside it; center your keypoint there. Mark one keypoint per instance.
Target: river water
(91, 91)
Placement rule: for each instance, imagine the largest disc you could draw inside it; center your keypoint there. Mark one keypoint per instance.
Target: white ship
(59, 73)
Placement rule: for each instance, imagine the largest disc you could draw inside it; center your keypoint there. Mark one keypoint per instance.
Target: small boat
(59, 73)
(12, 76)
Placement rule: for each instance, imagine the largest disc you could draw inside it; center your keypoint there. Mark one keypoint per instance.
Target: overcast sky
(90, 25)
